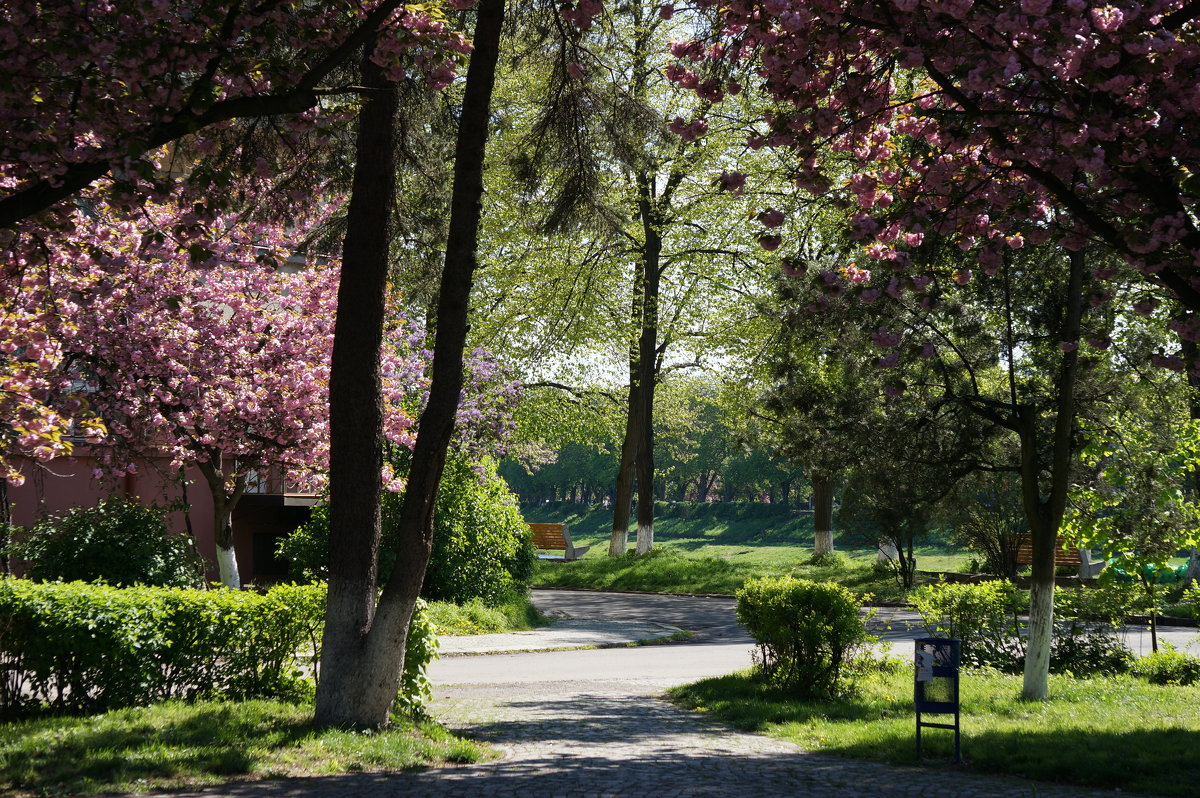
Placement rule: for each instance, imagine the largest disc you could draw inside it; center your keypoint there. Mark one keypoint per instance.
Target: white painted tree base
(645, 539)
(228, 567)
(1036, 684)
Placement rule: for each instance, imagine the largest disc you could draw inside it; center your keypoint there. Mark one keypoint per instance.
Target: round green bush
(807, 632)
(118, 541)
(481, 546)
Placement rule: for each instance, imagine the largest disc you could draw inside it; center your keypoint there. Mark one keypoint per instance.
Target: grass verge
(669, 570)
(1115, 732)
(514, 614)
(174, 745)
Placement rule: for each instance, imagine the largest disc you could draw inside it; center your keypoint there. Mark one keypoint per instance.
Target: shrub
(481, 546)
(420, 649)
(118, 541)
(80, 647)
(994, 532)
(807, 632)
(1191, 597)
(76, 647)
(1168, 666)
(983, 617)
(1085, 630)
(986, 618)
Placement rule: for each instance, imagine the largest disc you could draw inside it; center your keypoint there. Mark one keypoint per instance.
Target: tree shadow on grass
(1154, 761)
(69, 754)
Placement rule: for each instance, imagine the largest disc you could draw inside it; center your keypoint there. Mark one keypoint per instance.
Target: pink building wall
(258, 521)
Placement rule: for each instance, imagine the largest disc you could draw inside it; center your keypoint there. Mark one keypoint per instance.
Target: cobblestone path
(597, 740)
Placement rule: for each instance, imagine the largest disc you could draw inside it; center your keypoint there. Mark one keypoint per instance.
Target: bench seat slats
(555, 537)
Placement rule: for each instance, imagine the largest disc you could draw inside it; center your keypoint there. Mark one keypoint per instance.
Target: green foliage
(831, 559)
(80, 647)
(481, 545)
(986, 618)
(75, 647)
(1168, 666)
(988, 519)
(118, 541)
(1138, 511)
(1191, 596)
(476, 617)
(983, 617)
(1085, 626)
(420, 649)
(807, 632)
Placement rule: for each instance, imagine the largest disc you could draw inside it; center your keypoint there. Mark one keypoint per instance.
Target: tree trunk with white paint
(822, 485)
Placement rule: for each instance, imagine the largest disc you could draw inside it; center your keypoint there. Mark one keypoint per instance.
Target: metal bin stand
(935, 686)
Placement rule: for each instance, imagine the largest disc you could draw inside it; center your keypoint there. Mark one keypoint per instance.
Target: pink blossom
(771, 218)
(733, 182)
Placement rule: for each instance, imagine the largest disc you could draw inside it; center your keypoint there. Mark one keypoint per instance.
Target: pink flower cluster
(1018, 123)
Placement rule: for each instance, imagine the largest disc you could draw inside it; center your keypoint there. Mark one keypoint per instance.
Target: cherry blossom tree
(994, 124)
(223, 364)
(95, 90)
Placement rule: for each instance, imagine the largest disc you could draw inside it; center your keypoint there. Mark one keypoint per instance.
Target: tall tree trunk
(618, 542)
(345, 693)
(223, 506)
(822, 485)
(364, 642)
(651, 257)
(1045, 514)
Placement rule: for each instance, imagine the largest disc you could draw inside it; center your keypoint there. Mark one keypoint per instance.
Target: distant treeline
(710, 471)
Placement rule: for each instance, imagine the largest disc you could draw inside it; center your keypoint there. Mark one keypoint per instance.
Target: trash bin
(935, 686)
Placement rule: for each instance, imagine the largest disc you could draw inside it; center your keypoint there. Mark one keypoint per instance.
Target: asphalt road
(718, 645)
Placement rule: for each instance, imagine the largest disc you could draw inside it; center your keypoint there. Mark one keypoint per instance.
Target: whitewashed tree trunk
(1193, 569)
(227, 565)
(822, 485)
(1037, 644)
(645, 538)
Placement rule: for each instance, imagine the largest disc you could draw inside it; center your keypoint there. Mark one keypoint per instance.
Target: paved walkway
(601, 730)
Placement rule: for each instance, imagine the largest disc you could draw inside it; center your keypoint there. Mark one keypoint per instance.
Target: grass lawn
(174, 745)
(1106, 732)
(715, 548)
(477, 618)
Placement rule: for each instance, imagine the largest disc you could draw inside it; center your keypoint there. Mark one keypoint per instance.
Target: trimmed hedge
(807, 632)
(76, 647)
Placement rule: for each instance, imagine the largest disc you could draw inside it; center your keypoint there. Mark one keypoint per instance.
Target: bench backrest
(548, 536)
(1067, 556)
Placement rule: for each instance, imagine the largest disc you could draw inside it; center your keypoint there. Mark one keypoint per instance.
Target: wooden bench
(1064, 554)
(555, 537)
